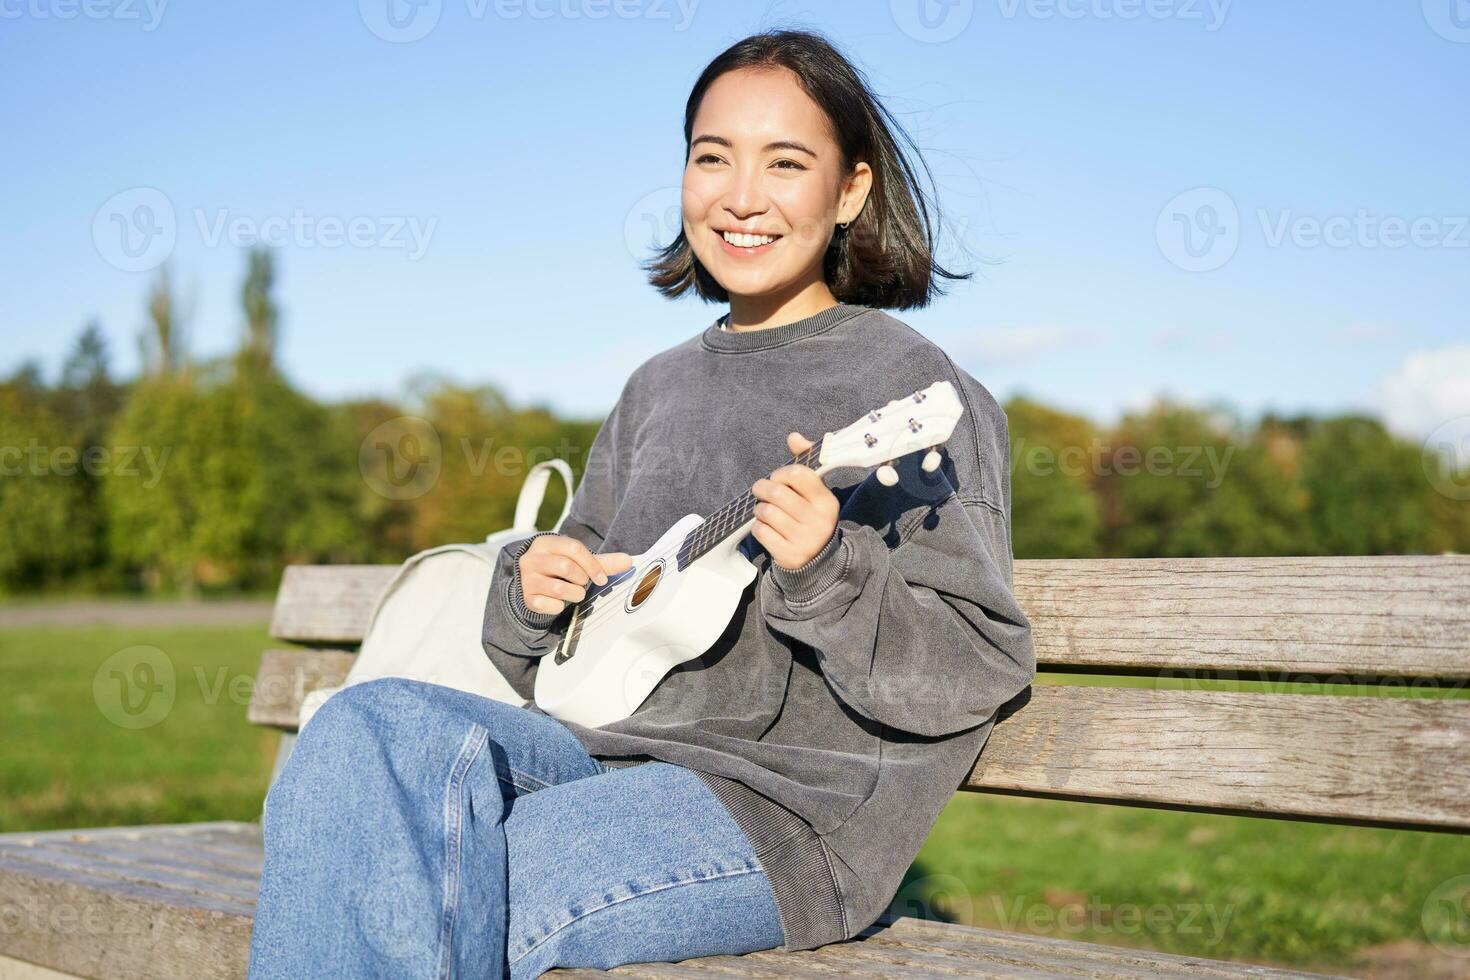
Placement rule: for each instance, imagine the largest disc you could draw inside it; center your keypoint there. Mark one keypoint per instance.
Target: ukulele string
(722, 518)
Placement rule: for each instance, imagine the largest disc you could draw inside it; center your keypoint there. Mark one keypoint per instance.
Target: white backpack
(426, 622)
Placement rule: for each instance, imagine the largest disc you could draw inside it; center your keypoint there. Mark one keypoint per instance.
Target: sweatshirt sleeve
(511, 631)
(923, 635)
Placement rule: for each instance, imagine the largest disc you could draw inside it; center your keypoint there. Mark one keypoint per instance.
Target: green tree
(151, 507)
(261, 315)
(1367, 489)
(1054, 512)
(1178, 483)
(48, 530)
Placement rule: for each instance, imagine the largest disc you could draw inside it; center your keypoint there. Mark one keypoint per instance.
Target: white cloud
(1002, 345)
(1194, 341)
(1428, 389)
(1360, 333)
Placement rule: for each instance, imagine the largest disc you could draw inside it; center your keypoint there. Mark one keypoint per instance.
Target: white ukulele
(679, 595)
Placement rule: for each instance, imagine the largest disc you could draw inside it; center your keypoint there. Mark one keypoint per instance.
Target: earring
(843, 224)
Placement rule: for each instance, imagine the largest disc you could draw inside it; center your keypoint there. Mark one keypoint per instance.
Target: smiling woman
(773, 786)
(796, 194)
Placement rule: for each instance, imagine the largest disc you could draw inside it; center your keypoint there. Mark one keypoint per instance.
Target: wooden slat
(898, 946)
(1392, 762)
(285, 677)
(127, 929)
(1373, 616)
(115, 921)
(327, 603)
(1385, 616)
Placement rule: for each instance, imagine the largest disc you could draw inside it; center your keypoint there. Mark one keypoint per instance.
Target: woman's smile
(746, 246)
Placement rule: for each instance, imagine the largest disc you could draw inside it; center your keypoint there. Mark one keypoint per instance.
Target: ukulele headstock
(922, 420)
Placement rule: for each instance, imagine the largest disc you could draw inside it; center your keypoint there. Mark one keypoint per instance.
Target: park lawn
(1224, 887)
(69, 759)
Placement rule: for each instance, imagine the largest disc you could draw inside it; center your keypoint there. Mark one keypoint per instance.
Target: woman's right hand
(555, 570)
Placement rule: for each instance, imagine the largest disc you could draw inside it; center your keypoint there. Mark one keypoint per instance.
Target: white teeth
(747, 241)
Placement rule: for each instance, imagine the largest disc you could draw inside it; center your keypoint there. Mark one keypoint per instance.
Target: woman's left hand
(797, 513)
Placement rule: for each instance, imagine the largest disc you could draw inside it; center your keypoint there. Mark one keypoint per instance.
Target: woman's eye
(707, 156)
(794, 165)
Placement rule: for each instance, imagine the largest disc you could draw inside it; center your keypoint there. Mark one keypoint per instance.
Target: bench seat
(124, 903)
(177, 901)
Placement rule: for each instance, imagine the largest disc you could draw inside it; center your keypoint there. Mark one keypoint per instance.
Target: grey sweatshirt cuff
(514, 598)
(807, 583)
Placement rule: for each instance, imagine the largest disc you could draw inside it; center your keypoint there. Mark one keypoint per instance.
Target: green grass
(1240, 888)
(70, 759)
(1224, 887)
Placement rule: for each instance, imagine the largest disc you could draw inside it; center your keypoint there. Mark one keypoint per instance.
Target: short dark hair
(885, 257)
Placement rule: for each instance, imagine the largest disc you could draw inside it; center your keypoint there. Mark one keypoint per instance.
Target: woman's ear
(854, 193)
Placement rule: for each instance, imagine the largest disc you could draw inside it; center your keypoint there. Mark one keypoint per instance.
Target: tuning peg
(931, 461)
(887, 475)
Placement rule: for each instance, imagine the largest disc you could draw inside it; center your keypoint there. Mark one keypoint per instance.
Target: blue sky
(1256, 204)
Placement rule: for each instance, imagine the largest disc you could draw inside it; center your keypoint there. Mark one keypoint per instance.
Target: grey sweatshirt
(849, 698)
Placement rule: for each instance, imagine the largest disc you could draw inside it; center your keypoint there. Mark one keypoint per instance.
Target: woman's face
(762, 161)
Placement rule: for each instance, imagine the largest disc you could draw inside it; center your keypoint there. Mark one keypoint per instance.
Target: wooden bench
(176, 901)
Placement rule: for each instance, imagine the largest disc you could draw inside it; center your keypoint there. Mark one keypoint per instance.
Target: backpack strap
(533, 491)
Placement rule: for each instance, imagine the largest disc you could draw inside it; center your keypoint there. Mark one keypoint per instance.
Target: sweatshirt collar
(738, 341)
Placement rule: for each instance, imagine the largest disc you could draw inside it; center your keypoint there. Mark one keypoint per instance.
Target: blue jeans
(420, 831)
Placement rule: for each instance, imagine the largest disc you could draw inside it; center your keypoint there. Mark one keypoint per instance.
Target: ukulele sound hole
(646, 585)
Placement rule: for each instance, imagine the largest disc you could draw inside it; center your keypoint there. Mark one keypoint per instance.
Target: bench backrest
(1383, 626)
